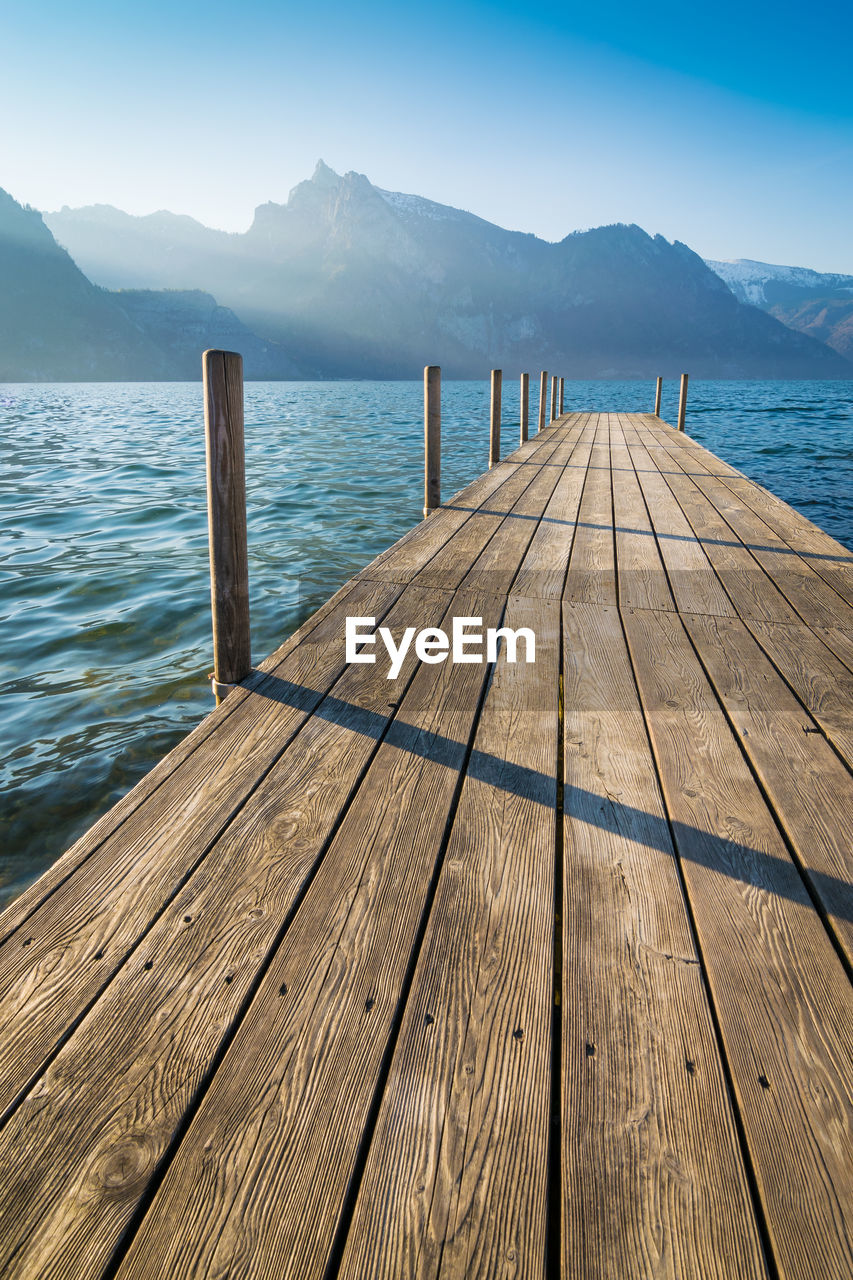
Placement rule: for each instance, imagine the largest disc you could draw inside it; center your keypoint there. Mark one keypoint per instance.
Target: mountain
(55, 325)
(355, 281)
(813, 302)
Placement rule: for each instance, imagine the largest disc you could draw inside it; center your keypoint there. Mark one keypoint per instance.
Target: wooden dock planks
(492, 970)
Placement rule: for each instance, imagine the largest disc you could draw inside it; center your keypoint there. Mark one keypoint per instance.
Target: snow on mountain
(748, 280)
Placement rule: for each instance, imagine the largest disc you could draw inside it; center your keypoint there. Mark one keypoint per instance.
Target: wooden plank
(286, 1110)
(455, 1182)
(641, 574)
(496, 566)
(810, 789)
(819, 678)
(447, 568)
(109, 1115)
(692, 580)
(591, 576)
(410, 553)
(813, 594)
(839, 641)
(829, 558)
(543, 570)
(653, 1180)
(53, 968)
(783, 1002)
(750, 590)
(813, 598)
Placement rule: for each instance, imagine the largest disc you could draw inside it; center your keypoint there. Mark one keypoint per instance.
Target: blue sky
(730, 128)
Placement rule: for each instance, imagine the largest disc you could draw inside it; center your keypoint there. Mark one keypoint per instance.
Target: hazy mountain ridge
(818, 303)
(55, 325)
(354, 281)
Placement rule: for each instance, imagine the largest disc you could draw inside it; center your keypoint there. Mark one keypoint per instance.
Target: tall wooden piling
(543, 396)
(658, 393)
(226, 518)
(432, 438)
(554, 381)
(495, 428)
(525, 405)
(682, 402)
(562, 395)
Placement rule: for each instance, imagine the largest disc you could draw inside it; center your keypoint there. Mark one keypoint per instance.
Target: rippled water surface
(105, 592)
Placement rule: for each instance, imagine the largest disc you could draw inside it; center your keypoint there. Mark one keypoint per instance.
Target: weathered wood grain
(653, 1180)
(416, 548)
(809, 591)
(286, 1111)
(226, 514)
(456, 1178)
(641, 574)
(810, 789)
(495, 568)
(692, 580)
(450, 564)
(591, 576)
(543, 570)
(821, 681)
(432, 438)
(53, 968)
(783, 1002)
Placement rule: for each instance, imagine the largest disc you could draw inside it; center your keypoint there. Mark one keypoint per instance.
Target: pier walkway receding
(492, 970)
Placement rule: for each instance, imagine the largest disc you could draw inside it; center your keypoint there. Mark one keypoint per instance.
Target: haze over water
(105, 599)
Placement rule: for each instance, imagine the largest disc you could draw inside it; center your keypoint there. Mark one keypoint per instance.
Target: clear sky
(728, 126)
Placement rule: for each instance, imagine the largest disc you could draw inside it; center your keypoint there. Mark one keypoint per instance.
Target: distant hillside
(813, 302)
(55, 325)
(359, 282)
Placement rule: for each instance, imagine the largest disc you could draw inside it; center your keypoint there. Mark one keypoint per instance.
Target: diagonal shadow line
(696, 539)
(755, 867)
(701, 539)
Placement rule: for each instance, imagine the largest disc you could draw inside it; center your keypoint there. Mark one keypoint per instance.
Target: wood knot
(127, 1166)
(428, 1019)
(518, 1034)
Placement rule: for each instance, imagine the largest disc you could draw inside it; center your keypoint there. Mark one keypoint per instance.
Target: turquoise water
(105, 591)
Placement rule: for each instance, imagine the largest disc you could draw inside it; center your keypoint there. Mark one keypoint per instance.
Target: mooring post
(554, 398)
(682, 402)
(525, 405)
(226, 518)
(562, 395)
(658, 393)
(432, 438)
(495, 430)
(543, 395)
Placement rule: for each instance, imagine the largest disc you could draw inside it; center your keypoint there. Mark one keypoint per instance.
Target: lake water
(105, 642)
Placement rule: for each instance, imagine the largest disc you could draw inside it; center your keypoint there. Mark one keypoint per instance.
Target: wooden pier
(492, 970)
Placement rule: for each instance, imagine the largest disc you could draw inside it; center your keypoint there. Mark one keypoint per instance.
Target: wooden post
(226, 518)
(525, 405)
(543, 394)
(432, 438)
(495, 431)
(682, 402)
(658, 391)
(554, 398)
(562, 395)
